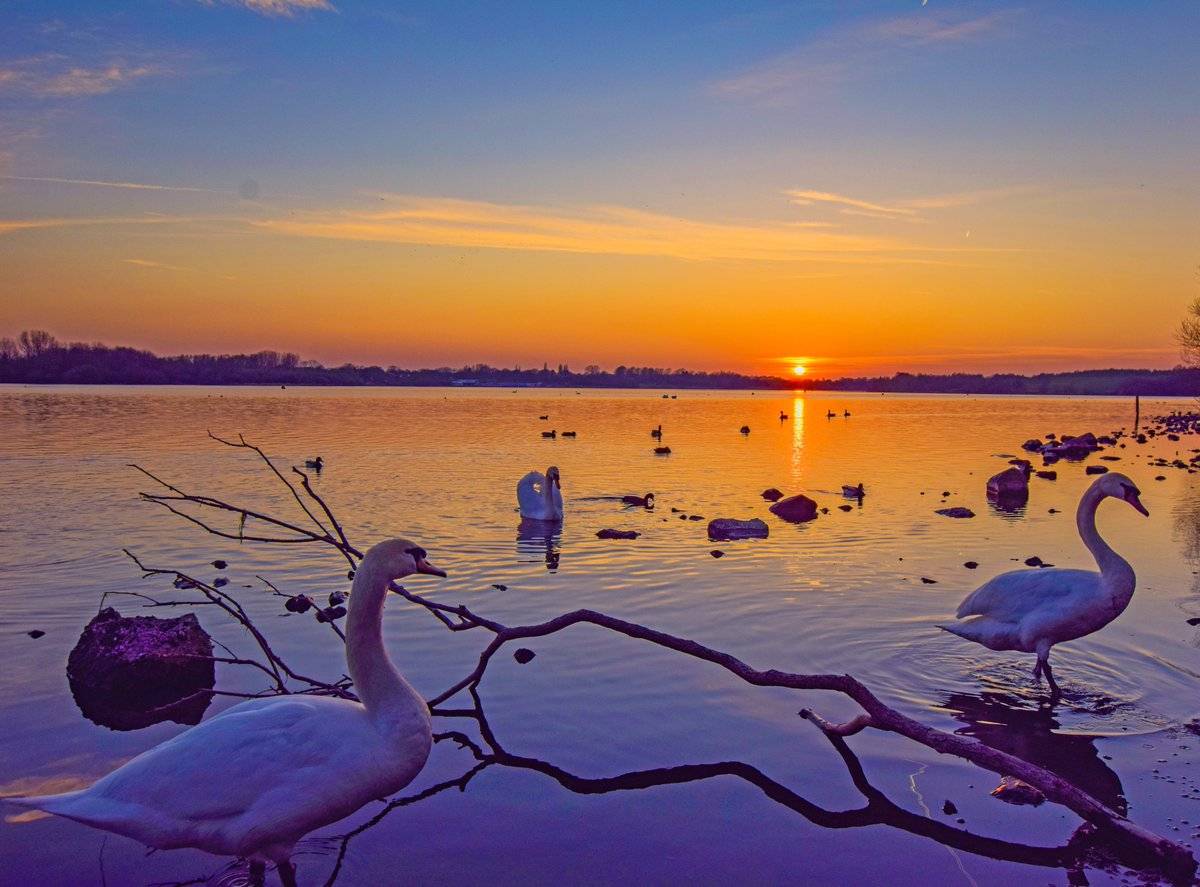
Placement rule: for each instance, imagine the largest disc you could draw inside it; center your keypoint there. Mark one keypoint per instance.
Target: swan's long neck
(548, 494)
(382, 689)
(1114, 569)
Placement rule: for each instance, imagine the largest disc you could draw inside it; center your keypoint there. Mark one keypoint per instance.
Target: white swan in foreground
(256, 778)
(539, 496)
(1032, 610)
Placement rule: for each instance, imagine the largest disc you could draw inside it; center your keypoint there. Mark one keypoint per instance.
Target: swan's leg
(258, 873)
(1037, 669)
(287, 874)
(1054, 691)
(1043, 667)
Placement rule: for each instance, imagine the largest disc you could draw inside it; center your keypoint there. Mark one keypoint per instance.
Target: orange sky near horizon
(964, 199)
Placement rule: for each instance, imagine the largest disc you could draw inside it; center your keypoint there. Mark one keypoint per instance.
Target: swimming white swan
(540, 495)
(262, 774)
(1031, 610)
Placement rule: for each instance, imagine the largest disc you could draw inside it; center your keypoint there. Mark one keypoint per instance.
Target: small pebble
(971, 565)
(949, 809)
(220, 565)
(523, 655)
(716, 552)
(220, 581)
(36, 633)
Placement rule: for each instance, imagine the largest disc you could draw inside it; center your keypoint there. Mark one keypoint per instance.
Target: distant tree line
(37, 357)
(1181, 382)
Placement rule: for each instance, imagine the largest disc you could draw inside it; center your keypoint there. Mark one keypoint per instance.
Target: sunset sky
(859, 187)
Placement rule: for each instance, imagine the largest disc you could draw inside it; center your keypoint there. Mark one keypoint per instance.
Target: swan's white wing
(187, 789)
(529, 495)
(1010, 597)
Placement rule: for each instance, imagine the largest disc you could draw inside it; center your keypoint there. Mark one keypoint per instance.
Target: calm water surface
(843, 593)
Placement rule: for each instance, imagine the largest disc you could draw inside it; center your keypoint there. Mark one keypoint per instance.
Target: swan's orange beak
(424, 566)
(1132, 498)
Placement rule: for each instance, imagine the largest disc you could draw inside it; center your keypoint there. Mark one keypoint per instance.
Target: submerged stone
(726, 528)
(128, 672)
(796, 509)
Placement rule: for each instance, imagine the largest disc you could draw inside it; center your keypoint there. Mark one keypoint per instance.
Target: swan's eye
(417, 553)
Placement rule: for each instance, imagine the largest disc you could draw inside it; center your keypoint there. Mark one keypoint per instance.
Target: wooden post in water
(1137, 411)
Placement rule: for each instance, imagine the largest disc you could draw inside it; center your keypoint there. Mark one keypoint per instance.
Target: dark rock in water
(845, 508)
(1160, 477)
(499, 586)
(1097, 469)
(1195, 620)
(1047, 475)
(1034, 561)
(1111, 458)
(745, 429)
(928, 581)
(220, 582)
(1051, 511)
(523, 655)
(949, 809)
(717, 553)
(727, 528)
(128, 672)
(1033, 445)
(695, 517)
(772, 494)
(183, 584)
(1010, 485)
(662, 451)
(220, 565)
(617, 534)
(956, 511)
(972, 565)
(796, 509)
(36, 633)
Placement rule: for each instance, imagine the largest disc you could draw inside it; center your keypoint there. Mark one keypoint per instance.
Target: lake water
(843, 593)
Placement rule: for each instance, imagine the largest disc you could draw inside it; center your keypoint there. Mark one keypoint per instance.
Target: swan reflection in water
(1003, 722)
(539, 539)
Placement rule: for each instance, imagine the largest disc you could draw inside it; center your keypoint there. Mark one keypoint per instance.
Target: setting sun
(799, 369)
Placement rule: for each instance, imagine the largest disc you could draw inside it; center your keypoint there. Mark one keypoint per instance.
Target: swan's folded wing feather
(219, 768)
(529, 494)
(1011, 596)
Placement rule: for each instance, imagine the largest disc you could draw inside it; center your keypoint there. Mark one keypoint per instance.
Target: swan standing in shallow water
(539, 496)
(1031, 610)
(262, 774)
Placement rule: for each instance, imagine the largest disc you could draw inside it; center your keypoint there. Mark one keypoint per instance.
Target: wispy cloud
(614, 230)
(848, 53)
(51, 76)
(804, 197)
(136, 186)
(10, 226)
(908, 210)
(278, 8)
(150, 263)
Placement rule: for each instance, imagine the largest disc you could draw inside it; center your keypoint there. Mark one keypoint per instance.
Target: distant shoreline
(38, 358)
